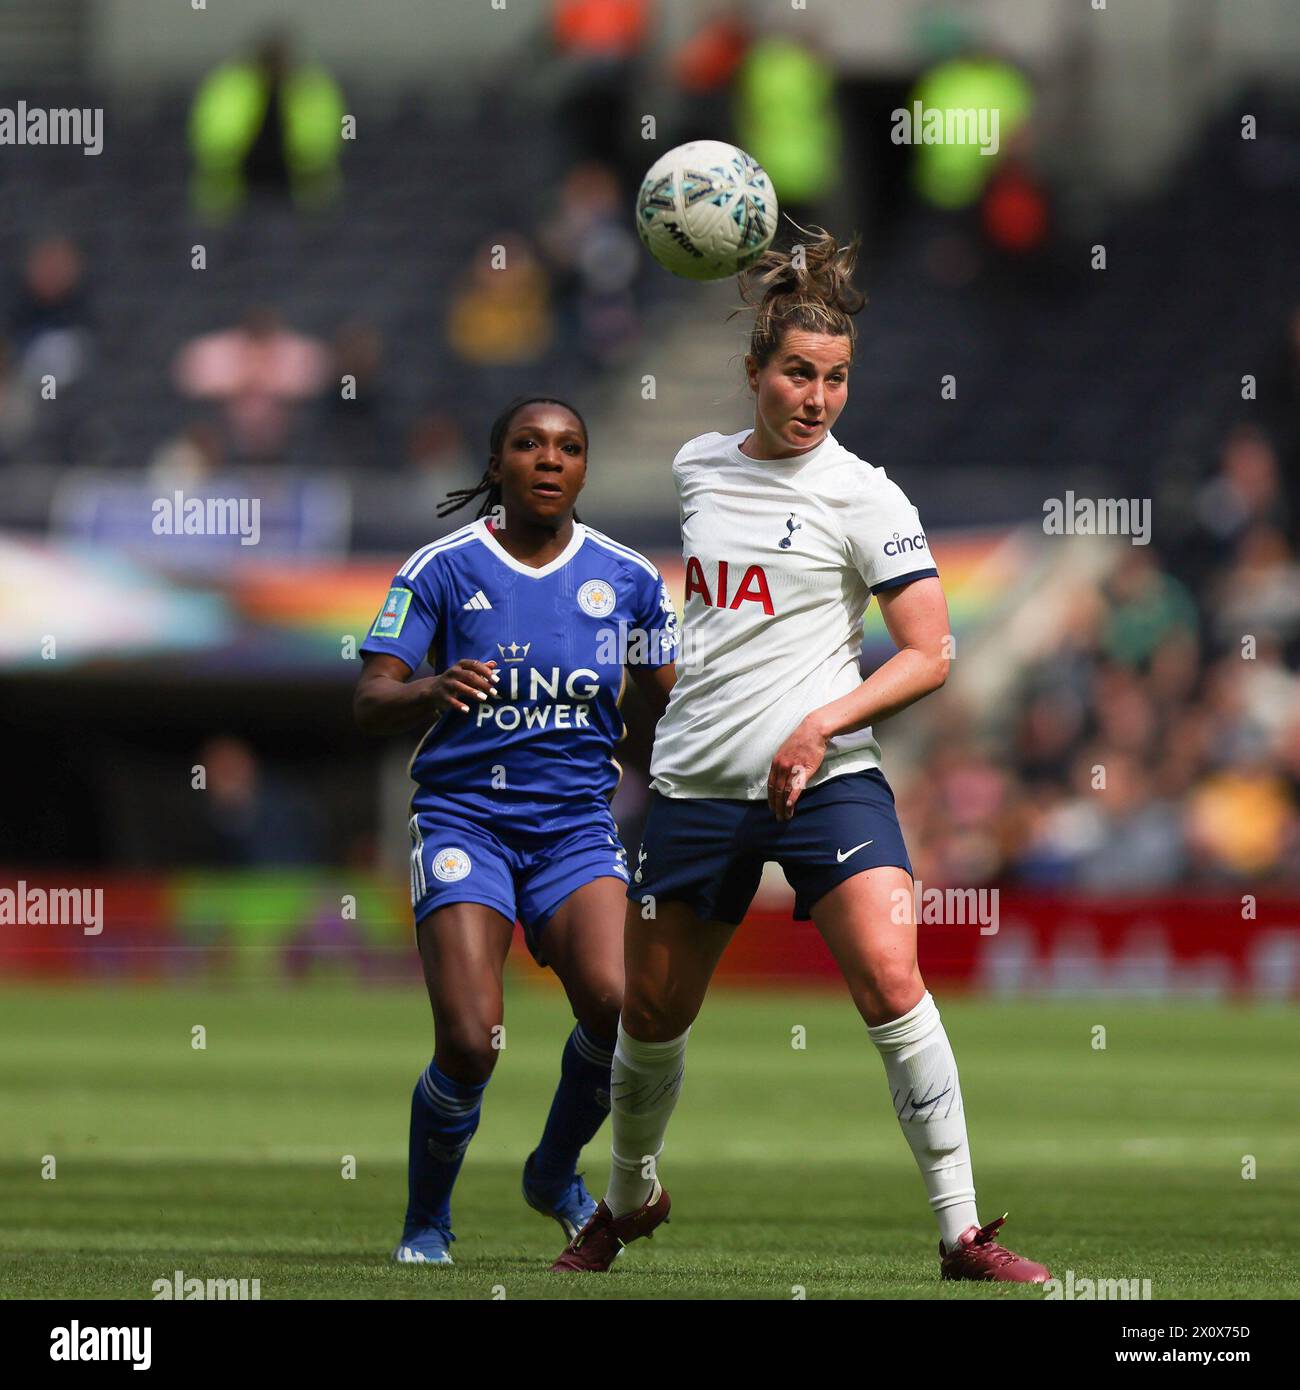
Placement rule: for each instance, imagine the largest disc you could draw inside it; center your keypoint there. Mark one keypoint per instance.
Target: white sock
(920, 1066)
(644, 1083)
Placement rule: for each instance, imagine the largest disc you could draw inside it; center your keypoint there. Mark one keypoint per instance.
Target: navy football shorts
(456, 859)
(710, 851)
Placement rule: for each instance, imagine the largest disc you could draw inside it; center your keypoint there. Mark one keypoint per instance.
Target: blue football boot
(566, 1201)
(426, 1247)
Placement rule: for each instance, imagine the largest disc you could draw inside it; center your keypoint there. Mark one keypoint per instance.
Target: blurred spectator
(502, 316)
(1014, 210)
(1189, 740)
(17, 406)
(1260, 594)
(438, 461)
(703, 67)
(1240, 820)
(1147, 606)
(1279, 391)
(1246, 489)
(601, 41)
(188, 458)
(1202, 760)
(436, 446)
(266, 124)
(786, 118)
(595, 258)
(1288, 763)
(49, 321)
(1136, 844)
(252, 816)
(1049, 726)
(1054, 832)
(358, 427)
(1173, 669)
(707, 61)
(1124, 716)
(952, 174)
(1270, 693)
(258, 373)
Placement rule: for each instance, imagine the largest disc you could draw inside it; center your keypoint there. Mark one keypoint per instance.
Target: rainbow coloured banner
(272, 616)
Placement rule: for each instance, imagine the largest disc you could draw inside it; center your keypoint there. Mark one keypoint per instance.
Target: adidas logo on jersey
(480, 600)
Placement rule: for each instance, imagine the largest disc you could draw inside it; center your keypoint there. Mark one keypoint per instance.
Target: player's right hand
(465, 681)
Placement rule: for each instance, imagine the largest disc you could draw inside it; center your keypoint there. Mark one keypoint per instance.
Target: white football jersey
(782, 556)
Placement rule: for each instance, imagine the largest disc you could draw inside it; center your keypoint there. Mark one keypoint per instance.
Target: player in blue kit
(531, 622)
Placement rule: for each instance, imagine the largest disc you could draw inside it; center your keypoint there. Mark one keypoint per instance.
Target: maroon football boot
(593, 1249)
(978, 1256)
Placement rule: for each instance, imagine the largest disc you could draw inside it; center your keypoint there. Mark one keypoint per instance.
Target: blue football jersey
(561, 636)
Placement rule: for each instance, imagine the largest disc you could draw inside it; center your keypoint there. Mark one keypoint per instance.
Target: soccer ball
(706, 210)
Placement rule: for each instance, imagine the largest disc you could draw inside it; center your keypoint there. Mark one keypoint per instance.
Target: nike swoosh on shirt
(688, 516)
(842, 854)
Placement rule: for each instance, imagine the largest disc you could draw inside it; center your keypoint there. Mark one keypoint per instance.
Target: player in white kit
(766, 753)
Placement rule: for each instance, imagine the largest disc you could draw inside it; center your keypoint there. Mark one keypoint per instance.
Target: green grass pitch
(786, 1167)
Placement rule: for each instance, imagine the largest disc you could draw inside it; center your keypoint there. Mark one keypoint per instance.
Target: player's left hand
(796, 761)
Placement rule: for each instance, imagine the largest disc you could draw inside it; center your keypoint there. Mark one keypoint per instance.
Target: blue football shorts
(710, 851)
(459, 859)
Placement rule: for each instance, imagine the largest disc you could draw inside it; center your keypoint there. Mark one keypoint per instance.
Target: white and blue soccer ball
(706, 210)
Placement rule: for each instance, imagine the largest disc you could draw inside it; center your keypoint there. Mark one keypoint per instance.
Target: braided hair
(485, 487)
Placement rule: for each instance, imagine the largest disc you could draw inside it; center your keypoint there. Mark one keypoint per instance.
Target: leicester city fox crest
(449, 865)
(597, 598)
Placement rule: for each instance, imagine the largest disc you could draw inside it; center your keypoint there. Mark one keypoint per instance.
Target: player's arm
(916, 615)
(388, 701)
(655, 684)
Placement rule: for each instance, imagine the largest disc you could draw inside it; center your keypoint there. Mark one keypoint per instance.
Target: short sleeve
(656, 618)
(405, 626)
(887, 541)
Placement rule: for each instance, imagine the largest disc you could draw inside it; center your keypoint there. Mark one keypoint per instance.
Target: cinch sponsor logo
(752, 588)
(901, 545)
(53, 907)
(77, 1343)
(178, 1287)
(535, 699)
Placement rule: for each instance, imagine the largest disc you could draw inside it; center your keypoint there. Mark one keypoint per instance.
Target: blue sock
(444, 1116)
(580, 1105)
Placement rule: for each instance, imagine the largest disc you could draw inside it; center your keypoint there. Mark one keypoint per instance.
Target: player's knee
(468, 1051)
(652, 1020)
(597, 1005)
(892, 989)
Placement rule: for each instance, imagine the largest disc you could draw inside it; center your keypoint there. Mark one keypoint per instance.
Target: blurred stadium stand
(1125, 382)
